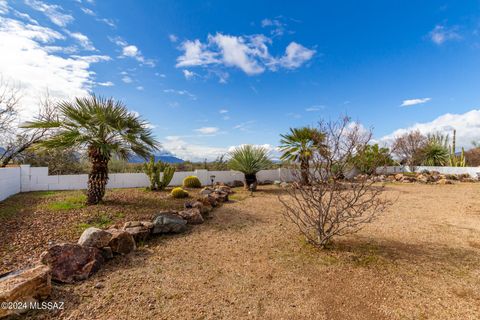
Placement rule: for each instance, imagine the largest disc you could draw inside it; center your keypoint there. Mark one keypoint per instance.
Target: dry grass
(421, 260)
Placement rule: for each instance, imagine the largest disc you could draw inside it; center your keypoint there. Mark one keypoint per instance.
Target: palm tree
(299, 145)
(104, 127)
(249, 160)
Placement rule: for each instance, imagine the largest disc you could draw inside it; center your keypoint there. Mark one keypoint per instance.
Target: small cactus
(192, 182)
(179, 193)
(153, 171)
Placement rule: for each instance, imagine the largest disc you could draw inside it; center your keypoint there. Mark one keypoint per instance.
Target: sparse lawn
(421, 260)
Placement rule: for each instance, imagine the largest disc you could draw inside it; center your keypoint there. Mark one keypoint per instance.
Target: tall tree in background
(299, 145)
(13, 139)
(104, 127)
(409, 148)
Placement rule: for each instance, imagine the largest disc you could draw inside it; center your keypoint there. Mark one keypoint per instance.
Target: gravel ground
(420, 260)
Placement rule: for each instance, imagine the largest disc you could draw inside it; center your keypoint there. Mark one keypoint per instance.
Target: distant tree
(472, 157)
(58, 161)
(367, 159)
(220, 163)
(408, 148)
(249, 160)
(104, 127)
(299, 145)
(13, 139)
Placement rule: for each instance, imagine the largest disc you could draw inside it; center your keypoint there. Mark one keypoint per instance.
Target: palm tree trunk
(251, 181)
(98, 176)
(304, 171)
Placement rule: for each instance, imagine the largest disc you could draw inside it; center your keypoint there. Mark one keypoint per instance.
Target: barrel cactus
(192, 182)
(179, 193)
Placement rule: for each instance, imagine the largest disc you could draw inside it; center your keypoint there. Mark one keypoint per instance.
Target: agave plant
(300, 145)
(249, 160)
(104, 127)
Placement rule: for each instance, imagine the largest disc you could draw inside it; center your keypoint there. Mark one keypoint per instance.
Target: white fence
(474, 172)
(26, 178)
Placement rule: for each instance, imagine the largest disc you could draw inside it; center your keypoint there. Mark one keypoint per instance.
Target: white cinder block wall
(26, 178)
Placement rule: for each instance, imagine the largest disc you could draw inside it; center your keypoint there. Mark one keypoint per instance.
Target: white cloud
(441, 34)
(277, 27)
(108, 22)
(190, 151)
(140, 88)
(247, 53)
(27, 60)
(83, 40)
(132, 51)
(53, 12)
(412, 102)
(173, 38)
(189, 74)
(295, 56)
(467, 125)
(314, 108)
(127, 79)
(244, 126)
(195, 54)
(207, 130)
(88, 11)
(4, 7)
(181, 93)
(222, 111)
(236, 52)
(106, 84)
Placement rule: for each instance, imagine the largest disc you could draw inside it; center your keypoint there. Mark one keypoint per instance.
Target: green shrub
(179, 193)
(192, 182)
(153, 171)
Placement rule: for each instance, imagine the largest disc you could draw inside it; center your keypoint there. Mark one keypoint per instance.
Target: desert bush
(368, 159)
(178, 192)
(192, 182)
(330, 206)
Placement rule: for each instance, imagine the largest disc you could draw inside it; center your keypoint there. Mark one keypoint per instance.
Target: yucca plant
(299, 145)
(249, 160)
(435, 154)
(104, 127)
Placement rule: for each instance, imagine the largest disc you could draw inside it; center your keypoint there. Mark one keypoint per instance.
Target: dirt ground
(420, 260)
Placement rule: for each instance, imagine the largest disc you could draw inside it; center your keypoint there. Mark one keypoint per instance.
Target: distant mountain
(164, 158)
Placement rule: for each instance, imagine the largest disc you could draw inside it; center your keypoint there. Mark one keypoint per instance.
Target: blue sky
(210, 75)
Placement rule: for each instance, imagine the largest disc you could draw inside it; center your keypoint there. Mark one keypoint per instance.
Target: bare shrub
(332, 206)
(409, 148)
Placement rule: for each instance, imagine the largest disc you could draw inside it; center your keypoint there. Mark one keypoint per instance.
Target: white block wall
(10, 183)
(474, 172)
(26, 178)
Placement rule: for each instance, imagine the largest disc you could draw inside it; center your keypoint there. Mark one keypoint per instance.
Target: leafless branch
(332, 206)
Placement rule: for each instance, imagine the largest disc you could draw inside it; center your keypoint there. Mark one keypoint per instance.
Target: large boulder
(204, 208)
(225, 189)
(72, 262)
(140, 230)
(24, 286)
(220, 196)
(94, 237)
(206, 191)
(122, 242)
(168, 222)
(193, 216)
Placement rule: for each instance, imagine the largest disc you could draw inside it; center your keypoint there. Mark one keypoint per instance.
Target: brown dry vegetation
(420, 260)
